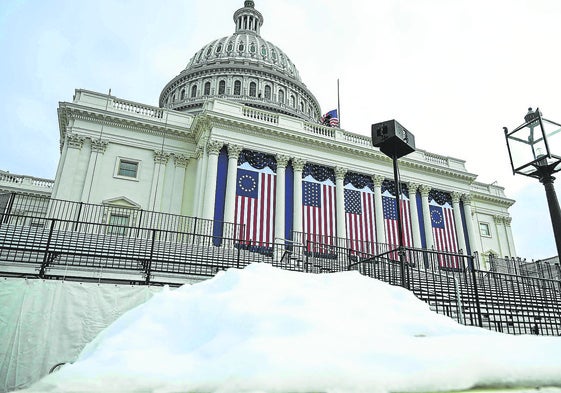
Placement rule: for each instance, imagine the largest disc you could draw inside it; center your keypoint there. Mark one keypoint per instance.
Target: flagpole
(338, 104)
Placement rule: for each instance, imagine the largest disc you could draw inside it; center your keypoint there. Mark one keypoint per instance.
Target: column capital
(378, 180)
(467, 199)
(234, 151)
(282, 160)
(180, 160)
(75, 141)
(298, 164)
(214, 146)
(425, 190)
(499, 219)
(456, 197)
(507, 221)
(99, 145)
(340, 173)
(161, 157)
(413, 187)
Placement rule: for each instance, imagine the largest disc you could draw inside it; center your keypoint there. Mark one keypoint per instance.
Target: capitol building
(239, 139)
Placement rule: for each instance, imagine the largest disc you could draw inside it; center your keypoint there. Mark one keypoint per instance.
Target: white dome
(245, 68)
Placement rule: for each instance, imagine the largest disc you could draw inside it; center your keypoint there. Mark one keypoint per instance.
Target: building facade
(237, 138)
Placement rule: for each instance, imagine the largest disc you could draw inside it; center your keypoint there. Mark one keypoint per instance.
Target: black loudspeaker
(392, 138)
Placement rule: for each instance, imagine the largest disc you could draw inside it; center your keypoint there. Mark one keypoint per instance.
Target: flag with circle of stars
(255, 205)
(444, 228)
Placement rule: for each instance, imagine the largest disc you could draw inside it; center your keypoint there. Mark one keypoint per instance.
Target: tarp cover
(45, 322)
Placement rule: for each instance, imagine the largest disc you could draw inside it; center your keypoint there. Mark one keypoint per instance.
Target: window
(237, 88)
(292, 101)
(118, 224)
(301, 106)
(281, 96)
(207, 89)
(194, 91)
(484, 229)
(127, 169)
(268, 92)
(182, 94)
(222, 87)
(252, 89)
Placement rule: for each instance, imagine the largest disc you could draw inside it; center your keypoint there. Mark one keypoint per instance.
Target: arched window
(268, 92)
(193, 91)
(301, 106)
(237, 88)
(281, 96)
(222, 87)
(207, 89)
(252, 89)
(292, 101)
(182, 94)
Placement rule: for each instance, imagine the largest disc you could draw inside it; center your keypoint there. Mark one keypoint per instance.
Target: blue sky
(452, 72)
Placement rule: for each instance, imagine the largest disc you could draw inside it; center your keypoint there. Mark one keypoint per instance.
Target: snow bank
(268, 330)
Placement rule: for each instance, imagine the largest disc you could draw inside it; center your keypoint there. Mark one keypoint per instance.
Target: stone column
(180, 161)
(426, 216)
(98, 147)
(74, 144)
(160, 160)
(501, 236)
(510, 239)
(201, 158)
(379, 209)
(230, 199)
(340, 203)
(473, 241)
(414, 215)
(458, 222)
(298, 166)
(282, 162)
(213, 149)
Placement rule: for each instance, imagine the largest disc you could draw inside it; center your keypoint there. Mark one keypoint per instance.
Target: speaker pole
(400, 249)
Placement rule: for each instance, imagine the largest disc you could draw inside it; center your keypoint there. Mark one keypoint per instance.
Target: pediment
(122, 201)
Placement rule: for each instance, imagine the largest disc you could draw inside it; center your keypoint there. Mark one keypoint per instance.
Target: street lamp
(533, 148)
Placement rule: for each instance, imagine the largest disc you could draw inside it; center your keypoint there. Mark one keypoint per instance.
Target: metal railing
(49, 246)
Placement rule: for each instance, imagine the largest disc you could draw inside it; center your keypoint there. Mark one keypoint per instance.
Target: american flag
(255, 204)
(330, 119)
(444, 232)
(318, 213)
(359, 214)
(390, 219)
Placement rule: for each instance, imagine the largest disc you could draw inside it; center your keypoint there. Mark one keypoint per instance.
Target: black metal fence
(546, 268)
(44, 240)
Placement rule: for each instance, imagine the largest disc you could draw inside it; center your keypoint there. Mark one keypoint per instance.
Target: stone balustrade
(13, 182)
(133, 107)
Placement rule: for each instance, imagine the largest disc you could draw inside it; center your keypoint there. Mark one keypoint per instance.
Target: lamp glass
(552, 132)
(527, 147)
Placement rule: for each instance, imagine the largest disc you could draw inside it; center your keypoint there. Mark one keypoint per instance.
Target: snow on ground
(263, 329)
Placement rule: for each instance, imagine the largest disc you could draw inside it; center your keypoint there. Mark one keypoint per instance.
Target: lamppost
(531, 148)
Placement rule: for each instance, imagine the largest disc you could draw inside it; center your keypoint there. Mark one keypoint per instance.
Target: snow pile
(268, 330)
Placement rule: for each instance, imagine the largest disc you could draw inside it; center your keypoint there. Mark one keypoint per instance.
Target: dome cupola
(245, 68)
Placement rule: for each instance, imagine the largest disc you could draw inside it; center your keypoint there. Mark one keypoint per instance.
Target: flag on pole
(390, 219)
(318, 199)
(360, 219)
(444, 232)
(255, 203)
(330, 119)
